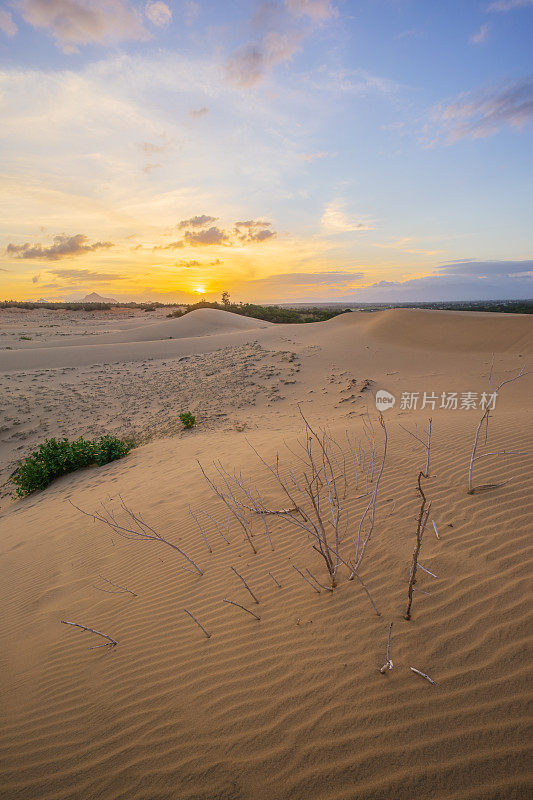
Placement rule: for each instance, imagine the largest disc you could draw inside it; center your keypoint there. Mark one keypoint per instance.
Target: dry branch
(485, 421)
(204, 537)
(306, 579)
(422, 519)
(423, 675)
(208, 635)
(388, 665)
(233, 603)
(121, 589)
(110, 642)
(140, 530)
(275, 581)
(242, 579)
(232, 505)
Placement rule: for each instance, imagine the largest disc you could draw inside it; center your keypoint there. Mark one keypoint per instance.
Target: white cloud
(158, 13)
(336, 220)
(7, 25)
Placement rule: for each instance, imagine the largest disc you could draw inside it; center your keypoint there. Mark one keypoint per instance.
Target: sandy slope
(293, 706)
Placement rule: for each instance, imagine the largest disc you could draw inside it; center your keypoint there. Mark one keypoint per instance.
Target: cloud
(255, 230)
(192, 11)
(248, 64)
(336, 220)
(406, 245)
(63, 247)
(82, 22)
(7, 25)
(284, 34)
(196, 222)
(467, 280)
(158, 13)
(315, 278)
(509, 5)
(481, 114)
(210, 236)
(149, 148)
(197, 113)
(194, 263)
(303, 286)
(82, 275)
(314, 156)
(480, 36)
(317, 10)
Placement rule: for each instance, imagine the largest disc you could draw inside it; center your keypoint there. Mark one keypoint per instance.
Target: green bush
(57, 457)
(187, 419)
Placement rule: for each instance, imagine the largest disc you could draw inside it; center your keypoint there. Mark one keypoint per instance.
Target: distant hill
(96, 298)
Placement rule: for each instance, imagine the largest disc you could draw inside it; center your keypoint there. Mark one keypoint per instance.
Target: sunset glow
(298, 150)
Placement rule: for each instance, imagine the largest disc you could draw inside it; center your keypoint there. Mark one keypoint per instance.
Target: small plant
(187, 419)
(57, 457)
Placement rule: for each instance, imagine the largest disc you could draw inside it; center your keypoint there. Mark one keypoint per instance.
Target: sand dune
(291, 706)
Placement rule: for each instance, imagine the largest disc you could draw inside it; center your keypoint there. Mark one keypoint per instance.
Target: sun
(200, 290)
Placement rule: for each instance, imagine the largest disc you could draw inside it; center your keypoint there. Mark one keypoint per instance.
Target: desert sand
(293, 705)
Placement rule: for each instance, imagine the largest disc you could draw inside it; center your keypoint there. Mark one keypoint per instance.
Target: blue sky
(375, 150)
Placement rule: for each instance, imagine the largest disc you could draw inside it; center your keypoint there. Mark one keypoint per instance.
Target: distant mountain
(96, 298)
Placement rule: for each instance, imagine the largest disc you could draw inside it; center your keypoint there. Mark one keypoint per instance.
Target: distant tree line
(267, 313)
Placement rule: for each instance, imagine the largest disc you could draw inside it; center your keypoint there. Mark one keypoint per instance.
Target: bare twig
(306, 579)
(388, 665)
(204, 537)
(138, 531)
(121, 589)
(422, 518)
(242, 579)
(423, 675)
(110, 641)
(232, 602)
(208, 635)
(275, 580)
(232, 506)
(363, 584)
(485, 420)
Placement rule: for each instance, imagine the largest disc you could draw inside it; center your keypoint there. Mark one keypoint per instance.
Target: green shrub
(187, 419)
(57, 457)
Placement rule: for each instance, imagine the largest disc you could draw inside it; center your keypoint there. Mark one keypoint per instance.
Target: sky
(288, 150)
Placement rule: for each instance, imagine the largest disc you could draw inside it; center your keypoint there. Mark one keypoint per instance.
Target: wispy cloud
(479, 114)
(283, 29)
(197, 113)
(63, 247)
(199, 221)
(7, 25)
(80, 22)
(158, 13)
(509, 5)
(81, 275)
(481, 35)
(335, 219)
